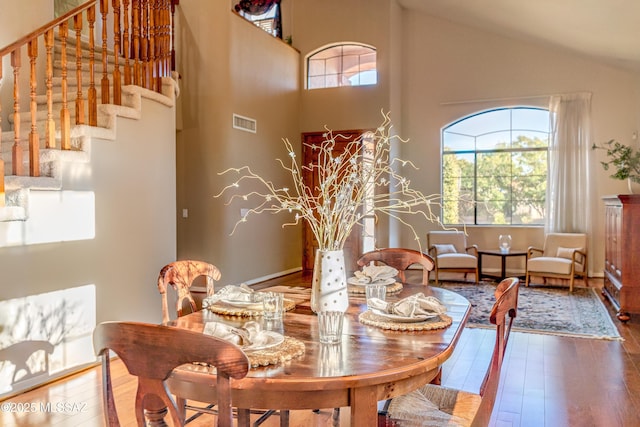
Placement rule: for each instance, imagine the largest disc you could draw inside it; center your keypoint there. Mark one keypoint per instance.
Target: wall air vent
(244, 123)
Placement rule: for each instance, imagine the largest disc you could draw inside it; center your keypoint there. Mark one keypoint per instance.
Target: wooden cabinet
(622, 253)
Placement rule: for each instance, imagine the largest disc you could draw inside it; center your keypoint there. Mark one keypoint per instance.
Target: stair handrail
(148, 24)
(46, 27)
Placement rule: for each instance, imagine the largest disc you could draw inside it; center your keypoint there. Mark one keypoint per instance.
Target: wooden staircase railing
(138, 47)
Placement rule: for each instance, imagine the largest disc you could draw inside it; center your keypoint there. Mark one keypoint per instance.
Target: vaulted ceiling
(606, 30)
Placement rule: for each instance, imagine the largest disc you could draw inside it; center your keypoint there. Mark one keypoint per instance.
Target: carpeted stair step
(71, 49)
(71, 67)
(42, 110)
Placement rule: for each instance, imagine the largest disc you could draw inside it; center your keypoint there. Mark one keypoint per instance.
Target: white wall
(443, 62)
(317, 24)
(133, 184)
(423, 63)
(228, 65)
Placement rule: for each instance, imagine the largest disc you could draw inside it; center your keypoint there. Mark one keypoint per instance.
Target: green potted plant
(622, 159)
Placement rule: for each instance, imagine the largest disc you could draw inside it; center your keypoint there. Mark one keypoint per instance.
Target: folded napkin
(242, 293)
(374, 273)
(412, 306)
(250, 334)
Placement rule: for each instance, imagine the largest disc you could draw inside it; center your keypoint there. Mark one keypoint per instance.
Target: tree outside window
(494, 168)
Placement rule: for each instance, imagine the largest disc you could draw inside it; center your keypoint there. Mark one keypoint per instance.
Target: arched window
(494, 167)
(346, 64)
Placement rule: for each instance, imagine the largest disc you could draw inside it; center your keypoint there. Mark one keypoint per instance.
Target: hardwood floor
(547, 381)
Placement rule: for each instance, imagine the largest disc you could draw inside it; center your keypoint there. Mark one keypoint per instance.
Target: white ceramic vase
(634, 187)
(329, 283)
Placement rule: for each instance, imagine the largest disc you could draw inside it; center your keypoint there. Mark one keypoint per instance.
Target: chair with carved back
(437, 405)
(180, 275)
(151, 352)
(400, 259)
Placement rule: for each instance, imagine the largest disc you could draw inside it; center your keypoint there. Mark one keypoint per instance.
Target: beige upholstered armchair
(451, 254)
(564, 256)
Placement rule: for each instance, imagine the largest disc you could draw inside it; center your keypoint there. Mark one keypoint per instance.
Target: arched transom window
(346, 64)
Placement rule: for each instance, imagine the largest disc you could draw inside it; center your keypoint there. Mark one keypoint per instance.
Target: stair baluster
(126, 51)
(77, 26)
(92, 96)
(34, 138)
(144, 40)
(50, 127)
(104, 11)
(165, 49)
(153, 71)
(65, 120)
(16, 151)
(135, 18)
(117, 84)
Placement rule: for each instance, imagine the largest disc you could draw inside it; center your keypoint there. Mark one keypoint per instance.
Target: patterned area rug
(546, 310)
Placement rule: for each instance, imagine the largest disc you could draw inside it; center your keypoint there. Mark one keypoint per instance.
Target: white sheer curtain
(569, 201)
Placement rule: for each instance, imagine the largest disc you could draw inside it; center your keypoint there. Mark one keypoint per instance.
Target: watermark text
(65, 407)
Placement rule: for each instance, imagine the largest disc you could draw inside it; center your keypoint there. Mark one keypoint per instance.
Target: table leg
(364, 406)
(244, 419)
(284, 418)
(503, 272)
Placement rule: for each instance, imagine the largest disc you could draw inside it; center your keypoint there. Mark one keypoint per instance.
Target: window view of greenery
(494, 168)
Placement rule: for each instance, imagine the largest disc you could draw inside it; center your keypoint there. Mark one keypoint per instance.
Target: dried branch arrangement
(363, 180)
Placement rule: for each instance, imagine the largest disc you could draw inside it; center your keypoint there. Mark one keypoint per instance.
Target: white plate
(244, 304)
(272, 339)
(403, 319)
(354, 281)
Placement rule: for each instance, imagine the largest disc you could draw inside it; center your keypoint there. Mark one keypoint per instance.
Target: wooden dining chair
(400, 259)
(437, 405)
(180, 275)
(151, 352)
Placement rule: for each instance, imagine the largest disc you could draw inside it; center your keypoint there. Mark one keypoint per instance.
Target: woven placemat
(391, 289)
(289, 349)
(370, 318)
(221, 307)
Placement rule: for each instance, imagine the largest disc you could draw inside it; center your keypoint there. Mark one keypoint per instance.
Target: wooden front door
(353, 245)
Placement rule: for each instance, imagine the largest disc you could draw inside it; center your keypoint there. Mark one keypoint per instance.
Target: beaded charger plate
(220, 307)
(288, 350)
(391, 289)
(370, 318)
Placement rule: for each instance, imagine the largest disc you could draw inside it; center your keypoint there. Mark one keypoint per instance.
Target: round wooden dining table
(370, 364)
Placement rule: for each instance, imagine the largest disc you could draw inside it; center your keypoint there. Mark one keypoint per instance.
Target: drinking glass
(376, 291)
(273, 305)
(330, 326)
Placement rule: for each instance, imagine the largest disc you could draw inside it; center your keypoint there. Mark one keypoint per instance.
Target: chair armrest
(433, 250)
(583, 257)
(474, 249)
(531, 250)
